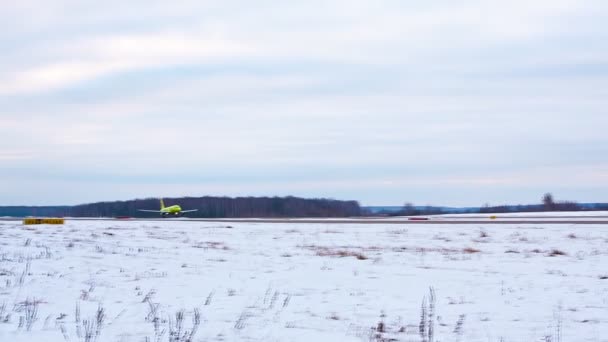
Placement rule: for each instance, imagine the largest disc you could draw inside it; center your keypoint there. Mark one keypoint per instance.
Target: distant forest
(280, 207)
(208, 207)
(548, 203)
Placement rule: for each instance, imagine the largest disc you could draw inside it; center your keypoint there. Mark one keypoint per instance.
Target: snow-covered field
(132, 281)
(543, 215)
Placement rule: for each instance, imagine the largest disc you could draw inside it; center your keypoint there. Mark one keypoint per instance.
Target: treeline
(410, 210)
(529, 208)
(548, 203)
(208, 207)
(23, 211)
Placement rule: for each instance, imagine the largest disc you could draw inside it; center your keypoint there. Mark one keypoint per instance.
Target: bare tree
(409, 209)
(548, 202)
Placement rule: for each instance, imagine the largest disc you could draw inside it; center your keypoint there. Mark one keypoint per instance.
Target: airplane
(174, 210)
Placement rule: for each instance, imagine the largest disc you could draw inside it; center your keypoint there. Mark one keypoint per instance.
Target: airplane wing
(188, 211)
(150, 211)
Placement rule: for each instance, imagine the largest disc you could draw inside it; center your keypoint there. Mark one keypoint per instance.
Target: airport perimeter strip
(581, 221)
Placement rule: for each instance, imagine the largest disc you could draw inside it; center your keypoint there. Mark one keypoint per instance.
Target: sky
(456, 103)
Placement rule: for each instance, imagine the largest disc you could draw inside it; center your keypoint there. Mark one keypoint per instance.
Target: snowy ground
(302, 282)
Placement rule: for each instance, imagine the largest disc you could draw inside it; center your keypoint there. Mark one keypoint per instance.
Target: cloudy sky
(443, 102)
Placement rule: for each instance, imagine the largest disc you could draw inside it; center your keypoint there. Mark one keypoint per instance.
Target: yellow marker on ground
(48, 220)
(493, 217)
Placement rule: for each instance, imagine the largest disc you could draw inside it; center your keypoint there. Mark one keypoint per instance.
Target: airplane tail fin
(162, 204)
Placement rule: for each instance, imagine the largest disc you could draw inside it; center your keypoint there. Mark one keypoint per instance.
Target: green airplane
(174, 210)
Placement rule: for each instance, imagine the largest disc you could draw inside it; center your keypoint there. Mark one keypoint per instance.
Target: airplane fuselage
(172, 210)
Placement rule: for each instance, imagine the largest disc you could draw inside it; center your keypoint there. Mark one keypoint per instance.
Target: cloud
(90, 59)
(363, 33)
(372, 100)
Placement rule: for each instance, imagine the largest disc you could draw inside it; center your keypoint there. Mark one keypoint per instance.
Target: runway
(536, 220)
